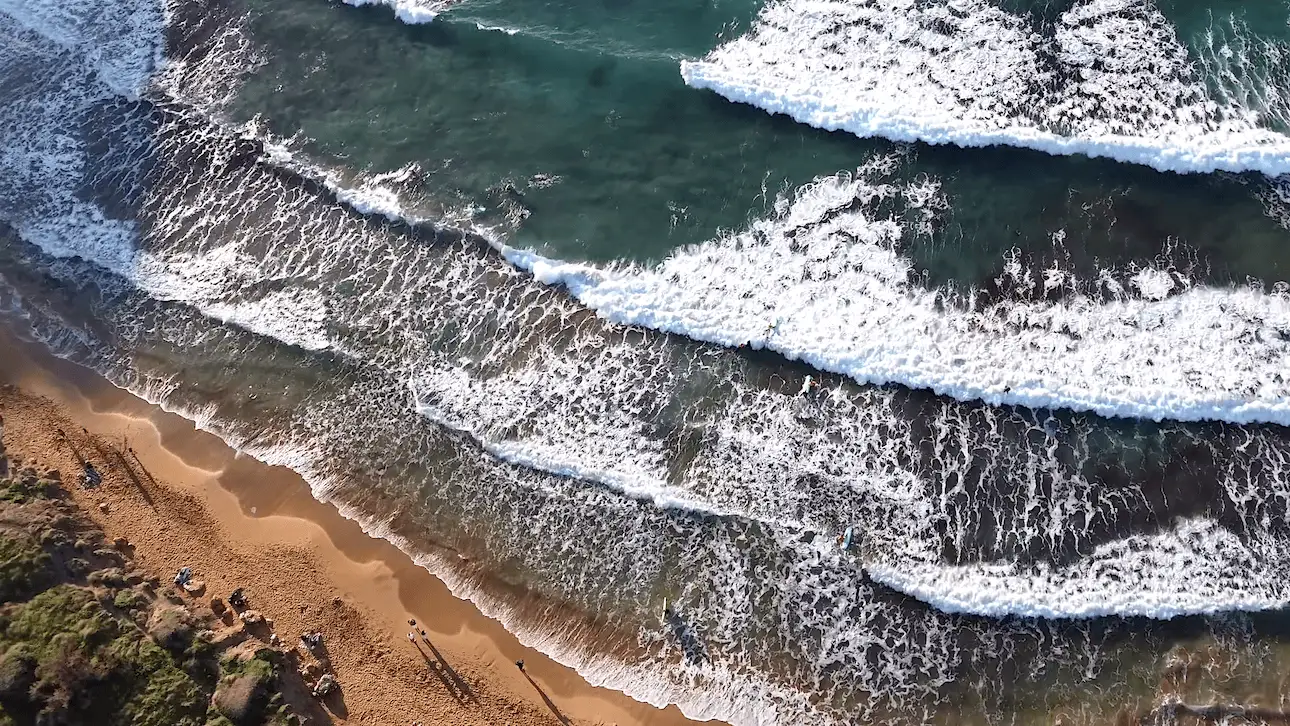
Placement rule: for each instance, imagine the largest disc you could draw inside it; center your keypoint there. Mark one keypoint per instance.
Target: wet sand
(182, 497)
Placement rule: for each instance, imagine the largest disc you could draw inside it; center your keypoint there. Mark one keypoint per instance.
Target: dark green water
(580, 126)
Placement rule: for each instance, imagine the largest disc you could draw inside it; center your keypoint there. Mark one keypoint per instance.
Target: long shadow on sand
(451, 680)
(546, 699)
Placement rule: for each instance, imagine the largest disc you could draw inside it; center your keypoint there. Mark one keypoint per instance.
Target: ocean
(616, 315)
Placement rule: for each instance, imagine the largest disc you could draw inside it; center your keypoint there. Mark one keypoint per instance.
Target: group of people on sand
(412, 634)
(412, 638)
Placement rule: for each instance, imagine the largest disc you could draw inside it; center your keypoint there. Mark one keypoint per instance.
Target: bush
(260, 666)
(128, 600)
(24, 569)
(95, 669)
(21, 492)
(17, 673)
(69, 657)
(66, 676)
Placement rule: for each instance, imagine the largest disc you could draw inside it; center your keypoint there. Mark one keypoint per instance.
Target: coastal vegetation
(88, 638)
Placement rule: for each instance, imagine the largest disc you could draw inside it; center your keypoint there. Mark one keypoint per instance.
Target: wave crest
(1109, 78)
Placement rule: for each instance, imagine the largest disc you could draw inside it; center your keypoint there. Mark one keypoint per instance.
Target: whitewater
(1165, 575)
(825, 282)
(621, 446)
(822, 278)
(412, 12)
(1108, 78)
(50, 161)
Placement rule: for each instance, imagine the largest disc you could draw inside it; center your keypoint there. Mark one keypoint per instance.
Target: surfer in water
(847, 538)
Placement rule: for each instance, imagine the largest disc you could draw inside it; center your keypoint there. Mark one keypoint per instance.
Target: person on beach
(519, 664)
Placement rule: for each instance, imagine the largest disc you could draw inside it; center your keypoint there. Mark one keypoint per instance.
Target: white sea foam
(498, 28)
(121, 41)
(1109, 79)
(412, 12)
(1186, 571)
(373, 195)
(41, 143)
(557, 391)
(705, 692)
(551, 456)
(709, 690)
(826, 282)
(863, 462)
(824, 278)
(581, 412)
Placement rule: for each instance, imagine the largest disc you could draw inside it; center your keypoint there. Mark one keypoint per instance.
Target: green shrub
(19, 492)
(94, 665)
(128, 600)
(67, 657)
(260, 666)
(24, 568)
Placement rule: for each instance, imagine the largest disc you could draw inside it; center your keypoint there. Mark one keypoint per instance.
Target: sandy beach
(239, 523)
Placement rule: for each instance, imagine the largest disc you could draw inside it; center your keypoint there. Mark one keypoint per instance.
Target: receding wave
(113, 41)
(1107, 78)
(1139, 575)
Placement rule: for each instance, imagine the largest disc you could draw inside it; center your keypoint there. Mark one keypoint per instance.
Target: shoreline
(204, 505)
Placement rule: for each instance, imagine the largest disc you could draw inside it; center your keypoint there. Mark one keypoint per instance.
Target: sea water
(578, 304)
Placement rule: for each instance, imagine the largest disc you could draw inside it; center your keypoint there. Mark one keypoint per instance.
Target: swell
(1125, 347)
(703, 691)
(123, 263)
(842, 294)
(792, 629)
(1072, 593)
(1157, 591)
(1122, 345)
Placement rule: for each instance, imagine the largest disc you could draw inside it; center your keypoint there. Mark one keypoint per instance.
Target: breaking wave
(435, 392)
(412, 12)
(1107, 78)
(824, 280)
